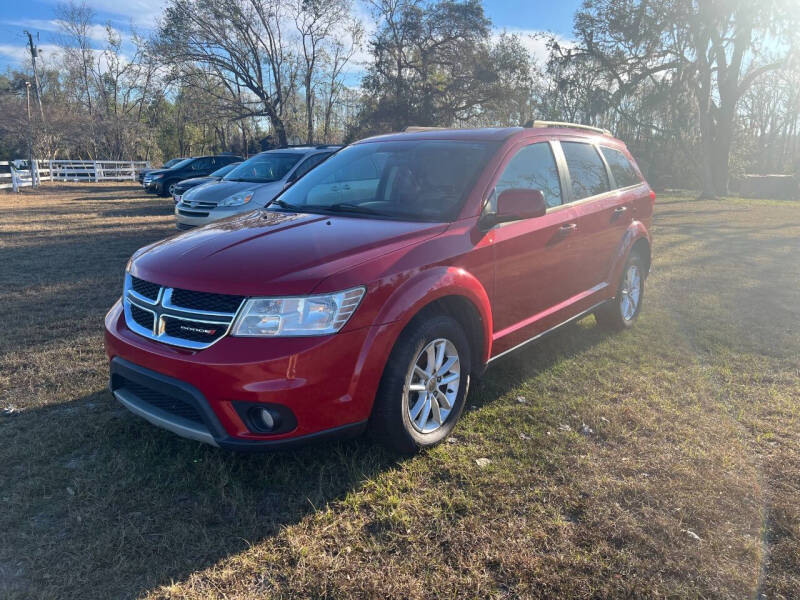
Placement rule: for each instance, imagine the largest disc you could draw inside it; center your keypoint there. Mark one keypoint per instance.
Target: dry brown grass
(694, 416)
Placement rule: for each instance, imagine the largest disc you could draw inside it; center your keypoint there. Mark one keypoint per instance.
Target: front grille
(179, 317)
(192, 213)
(145, 288)
(173, 406)
(223, 303)
(142, 317)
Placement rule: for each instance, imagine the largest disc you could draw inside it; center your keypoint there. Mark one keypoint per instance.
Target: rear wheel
(623, 311)
(424, 386)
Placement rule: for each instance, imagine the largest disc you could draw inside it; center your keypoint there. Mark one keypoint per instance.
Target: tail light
(652, 198)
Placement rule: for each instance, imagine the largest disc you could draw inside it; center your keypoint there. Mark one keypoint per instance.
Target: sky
(516, 16)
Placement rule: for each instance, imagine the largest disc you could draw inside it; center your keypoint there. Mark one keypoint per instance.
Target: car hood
(263, 253)
(187, 183)
(214, 191)
(156, 171)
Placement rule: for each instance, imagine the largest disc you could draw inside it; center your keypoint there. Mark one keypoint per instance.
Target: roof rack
(412, 128)
(540, 124)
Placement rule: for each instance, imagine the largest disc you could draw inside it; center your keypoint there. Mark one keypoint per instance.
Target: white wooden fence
(13, 176)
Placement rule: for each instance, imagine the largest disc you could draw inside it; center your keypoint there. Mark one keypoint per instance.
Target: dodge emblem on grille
(198, 330)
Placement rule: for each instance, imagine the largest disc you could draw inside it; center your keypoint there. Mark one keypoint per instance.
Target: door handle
(345, 187)
(569, 228)
(620, 209)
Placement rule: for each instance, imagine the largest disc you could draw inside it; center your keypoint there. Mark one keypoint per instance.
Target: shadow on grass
(122, 507)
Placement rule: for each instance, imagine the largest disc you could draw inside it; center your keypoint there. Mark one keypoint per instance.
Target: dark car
(181, 188)
(161, 180)
(167, 165)
(372, 290)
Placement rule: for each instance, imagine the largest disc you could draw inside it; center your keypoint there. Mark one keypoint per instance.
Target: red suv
(371, 291)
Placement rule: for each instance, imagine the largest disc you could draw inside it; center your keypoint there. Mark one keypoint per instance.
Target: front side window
(621, 168)
(264, 168)
(586, 170)
(202, 164)
(417, 180)
(532, 168)
(311, 162)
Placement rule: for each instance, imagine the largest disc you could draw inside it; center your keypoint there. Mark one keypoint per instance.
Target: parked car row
(377, 284)
(162, 181)
(250, 185)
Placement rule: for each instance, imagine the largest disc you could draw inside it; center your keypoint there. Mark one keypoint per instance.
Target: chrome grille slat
(177, 325)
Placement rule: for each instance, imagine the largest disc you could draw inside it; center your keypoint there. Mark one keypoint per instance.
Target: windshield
(181, 163)
(225, 170)
(264, 168)
(420, 180)
(172, 162)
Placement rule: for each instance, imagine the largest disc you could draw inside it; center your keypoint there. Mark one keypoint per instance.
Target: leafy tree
(433, 64)
(715, 49)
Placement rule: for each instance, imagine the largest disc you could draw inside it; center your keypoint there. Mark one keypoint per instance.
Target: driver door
(532, 257)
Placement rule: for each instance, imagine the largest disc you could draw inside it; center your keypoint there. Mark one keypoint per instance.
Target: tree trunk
(309, 111)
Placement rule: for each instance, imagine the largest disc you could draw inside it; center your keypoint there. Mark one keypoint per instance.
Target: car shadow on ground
(170, 506)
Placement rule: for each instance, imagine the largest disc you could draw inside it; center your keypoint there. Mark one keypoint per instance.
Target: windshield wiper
(347, 207)
(286, 206)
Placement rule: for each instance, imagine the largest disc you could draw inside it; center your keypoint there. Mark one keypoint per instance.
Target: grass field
(686, 486)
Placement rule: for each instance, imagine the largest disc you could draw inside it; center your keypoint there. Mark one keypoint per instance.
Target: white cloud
(142, 13)
(96, 32)
(535, 41)
(50, 53)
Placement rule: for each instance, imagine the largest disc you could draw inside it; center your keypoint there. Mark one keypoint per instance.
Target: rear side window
(621, 168)
(586, 170)
(532, 168)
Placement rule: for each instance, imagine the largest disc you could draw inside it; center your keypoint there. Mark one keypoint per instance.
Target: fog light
(268, 419)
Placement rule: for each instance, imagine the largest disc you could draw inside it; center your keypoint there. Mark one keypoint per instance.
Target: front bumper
(136, 387)
(328, 383)
(152, 186)
(197, 217)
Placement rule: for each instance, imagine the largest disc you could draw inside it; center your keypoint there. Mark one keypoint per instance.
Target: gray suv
(253, 184)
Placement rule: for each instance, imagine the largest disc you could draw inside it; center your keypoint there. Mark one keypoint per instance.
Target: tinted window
(202, 164)
(533, 168)
(310, 163)
(621, 168)
(419, 180)
(263, 168)
(182, 163)
(224, 170)
(586, 170)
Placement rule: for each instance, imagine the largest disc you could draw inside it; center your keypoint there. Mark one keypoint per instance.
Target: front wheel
(424, 386)
(623, 311)
(166, 188)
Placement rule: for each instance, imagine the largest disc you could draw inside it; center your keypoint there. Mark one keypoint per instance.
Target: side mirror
(517, 205)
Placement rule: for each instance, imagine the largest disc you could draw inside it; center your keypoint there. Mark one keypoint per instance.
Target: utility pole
(30, 129)
(34, 53)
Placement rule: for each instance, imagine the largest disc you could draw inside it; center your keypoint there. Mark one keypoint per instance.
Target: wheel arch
(636, 238)
(450, 291)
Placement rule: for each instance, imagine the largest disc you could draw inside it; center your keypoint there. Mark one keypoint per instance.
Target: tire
(620, 313)
(164, 191)
(393, 422)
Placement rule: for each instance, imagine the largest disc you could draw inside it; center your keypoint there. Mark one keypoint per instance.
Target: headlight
(297, 316)
(237, 199)
(159, 176)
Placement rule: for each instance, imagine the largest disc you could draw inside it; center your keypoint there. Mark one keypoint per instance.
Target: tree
(713, 48)
(433, 64)
(317, 21)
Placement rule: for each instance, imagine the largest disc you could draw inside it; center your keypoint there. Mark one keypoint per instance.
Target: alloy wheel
(432, 385)
(631, 292)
